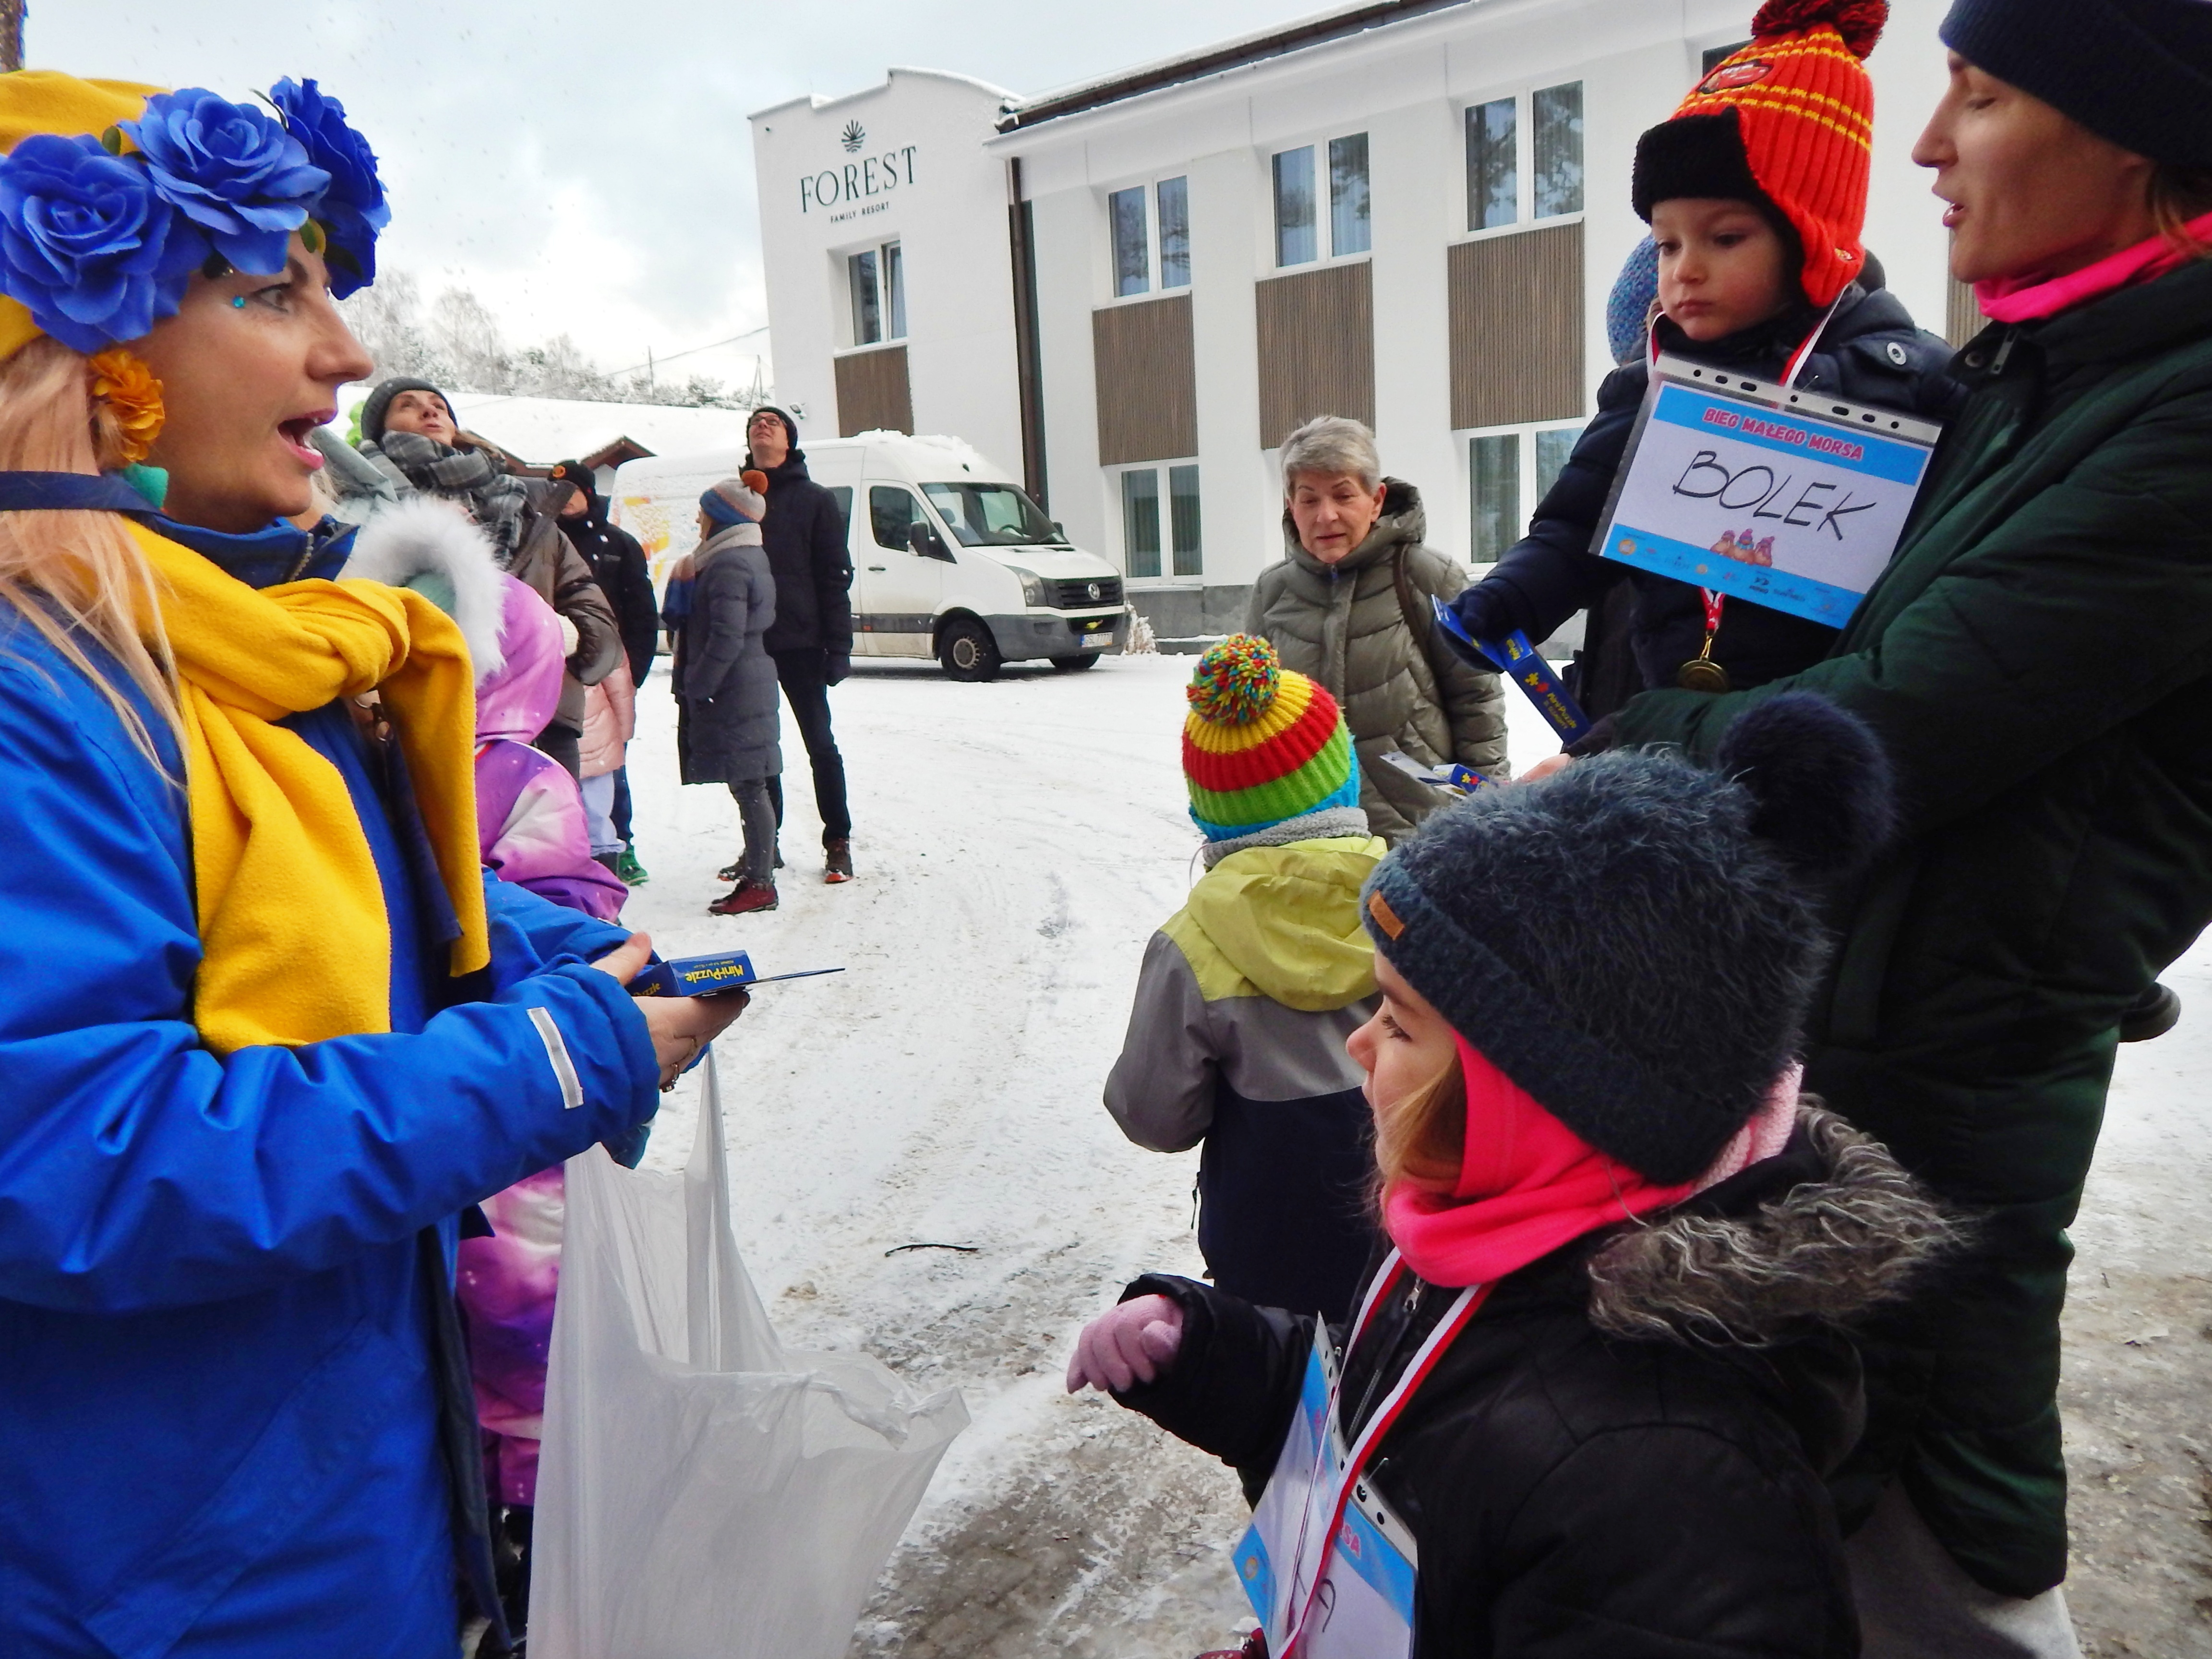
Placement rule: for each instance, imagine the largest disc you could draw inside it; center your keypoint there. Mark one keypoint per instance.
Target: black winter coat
(1576, 1493)
(1870, 353)
(619, 564)
(804, 534)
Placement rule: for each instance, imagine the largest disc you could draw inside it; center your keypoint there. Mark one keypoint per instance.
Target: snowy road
(1017, 843)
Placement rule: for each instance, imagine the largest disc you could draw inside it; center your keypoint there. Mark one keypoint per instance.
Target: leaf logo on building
(852, 137)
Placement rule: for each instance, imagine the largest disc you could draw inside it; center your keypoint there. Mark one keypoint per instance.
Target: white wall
(949, 219)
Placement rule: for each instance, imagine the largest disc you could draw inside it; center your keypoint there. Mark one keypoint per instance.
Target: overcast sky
(588, 168)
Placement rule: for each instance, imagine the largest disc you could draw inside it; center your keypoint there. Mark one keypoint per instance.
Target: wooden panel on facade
(1317, 348)
(1147, 380)
(1517, 327)
(874, 392)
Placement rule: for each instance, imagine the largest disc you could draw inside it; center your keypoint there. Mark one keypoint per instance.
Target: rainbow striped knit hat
(1262, 744)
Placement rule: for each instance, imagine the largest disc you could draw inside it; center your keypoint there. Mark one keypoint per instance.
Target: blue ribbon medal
(1521, 662)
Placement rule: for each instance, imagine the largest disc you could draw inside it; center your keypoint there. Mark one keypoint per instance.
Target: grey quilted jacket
(724, 679)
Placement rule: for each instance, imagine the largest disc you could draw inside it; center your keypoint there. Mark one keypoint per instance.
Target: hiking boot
(1254, 1647)
(745, 898)
(837, 861)
(2155, 1014)
(737, 871)
(632, 872)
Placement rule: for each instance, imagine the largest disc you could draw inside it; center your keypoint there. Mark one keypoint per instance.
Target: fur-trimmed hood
(424, 543)
(1822, 1253)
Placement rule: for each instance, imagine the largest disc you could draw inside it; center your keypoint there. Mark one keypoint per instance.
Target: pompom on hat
(1786, 122)
(1635, 941)
(1262, 744)
(112, 194)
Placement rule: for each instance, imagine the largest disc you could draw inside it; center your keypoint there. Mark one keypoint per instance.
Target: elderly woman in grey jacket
(1349, 607)
(724, 679)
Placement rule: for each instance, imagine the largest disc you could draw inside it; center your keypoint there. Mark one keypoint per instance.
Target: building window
(1493, 184)
(1132, 252)
(1553, 449)
(1298, 228)
(1182, 520)
(1494, 476)
(876, 277)
(1131, 226)
(1558, 122)
(1347, 195)
(1295, 243)
(1505, 469)
(1140, 522)
(1495, 177)
(1174, 232)
(1154, 543)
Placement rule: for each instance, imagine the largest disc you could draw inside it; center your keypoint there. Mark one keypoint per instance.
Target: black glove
(1480, 612)
(835, 668)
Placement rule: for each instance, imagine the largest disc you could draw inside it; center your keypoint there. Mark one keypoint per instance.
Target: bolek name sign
(1786, 498)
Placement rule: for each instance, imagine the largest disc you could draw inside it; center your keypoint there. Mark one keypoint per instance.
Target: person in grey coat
(723, 678)
(1349, 607)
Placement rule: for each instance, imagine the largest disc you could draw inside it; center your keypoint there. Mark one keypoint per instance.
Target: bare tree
(457, 342)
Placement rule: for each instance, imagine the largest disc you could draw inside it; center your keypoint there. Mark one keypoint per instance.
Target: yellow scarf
(296, 945)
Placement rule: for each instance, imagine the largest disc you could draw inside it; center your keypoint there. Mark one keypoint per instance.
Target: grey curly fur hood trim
(1822, 1254)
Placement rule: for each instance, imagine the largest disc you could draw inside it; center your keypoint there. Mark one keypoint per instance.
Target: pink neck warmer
(2030, 298)
(1529, 1184)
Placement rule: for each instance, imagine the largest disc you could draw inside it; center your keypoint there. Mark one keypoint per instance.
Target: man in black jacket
(618, 564)
(811, 639)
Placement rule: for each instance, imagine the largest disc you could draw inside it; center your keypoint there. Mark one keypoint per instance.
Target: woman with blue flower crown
(266, 1032)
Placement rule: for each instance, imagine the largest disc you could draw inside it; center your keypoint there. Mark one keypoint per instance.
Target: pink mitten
(1133, 1344)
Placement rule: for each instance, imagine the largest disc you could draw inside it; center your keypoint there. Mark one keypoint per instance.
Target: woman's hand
(1544, 767)
(681, 1026)
(1133, 1344)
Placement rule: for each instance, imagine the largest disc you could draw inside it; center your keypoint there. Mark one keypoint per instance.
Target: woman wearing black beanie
(2037, 661)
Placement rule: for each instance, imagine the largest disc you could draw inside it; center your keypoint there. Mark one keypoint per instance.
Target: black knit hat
(577, 473)
(1635, 940)
(2137, 72)
(790, 426)
(378, 402)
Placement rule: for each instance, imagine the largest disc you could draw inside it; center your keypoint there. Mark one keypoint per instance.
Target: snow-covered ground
(1017, 843)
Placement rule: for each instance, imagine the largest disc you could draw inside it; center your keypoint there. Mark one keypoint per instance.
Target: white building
(1134, 288)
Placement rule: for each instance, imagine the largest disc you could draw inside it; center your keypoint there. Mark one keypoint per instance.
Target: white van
(949, 561)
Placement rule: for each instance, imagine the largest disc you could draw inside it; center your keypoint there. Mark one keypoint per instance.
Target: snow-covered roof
(543, 430)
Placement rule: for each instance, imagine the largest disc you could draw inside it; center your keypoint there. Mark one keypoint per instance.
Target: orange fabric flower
(128, 387)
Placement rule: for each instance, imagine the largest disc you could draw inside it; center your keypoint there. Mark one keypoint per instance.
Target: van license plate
(1096, 641)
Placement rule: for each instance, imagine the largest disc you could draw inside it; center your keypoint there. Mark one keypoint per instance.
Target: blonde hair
(79, 577)
(1422, 1139)
(2178, 196)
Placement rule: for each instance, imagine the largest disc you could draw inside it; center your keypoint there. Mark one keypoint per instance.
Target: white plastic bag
(703, 1494)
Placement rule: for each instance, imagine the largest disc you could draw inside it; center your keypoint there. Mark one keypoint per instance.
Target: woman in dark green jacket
(2037, 660)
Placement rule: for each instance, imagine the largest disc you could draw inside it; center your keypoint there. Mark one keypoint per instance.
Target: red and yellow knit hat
(1262, 744)
(1791, 117)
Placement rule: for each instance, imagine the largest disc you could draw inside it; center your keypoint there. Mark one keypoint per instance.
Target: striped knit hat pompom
(1236, 681)
(1859, 22)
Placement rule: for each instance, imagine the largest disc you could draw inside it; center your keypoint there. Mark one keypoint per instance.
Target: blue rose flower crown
(97, 241)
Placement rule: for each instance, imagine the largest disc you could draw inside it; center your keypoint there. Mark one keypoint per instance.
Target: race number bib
(1786, 498)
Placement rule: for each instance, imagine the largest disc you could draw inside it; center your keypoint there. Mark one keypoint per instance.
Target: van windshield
(990, 514)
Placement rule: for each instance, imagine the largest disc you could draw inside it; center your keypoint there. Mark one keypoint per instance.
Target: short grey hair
(1330, 445)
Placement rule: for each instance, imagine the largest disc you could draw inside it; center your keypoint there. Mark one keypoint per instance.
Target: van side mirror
(926, 542)
(1058, 529)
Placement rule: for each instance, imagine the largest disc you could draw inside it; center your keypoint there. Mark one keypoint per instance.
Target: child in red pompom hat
(1755, 190)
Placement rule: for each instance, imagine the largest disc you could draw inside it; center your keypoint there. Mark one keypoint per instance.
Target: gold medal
(1702, 674)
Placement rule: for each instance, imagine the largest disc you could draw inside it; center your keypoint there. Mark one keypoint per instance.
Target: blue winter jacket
(219, 1408)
